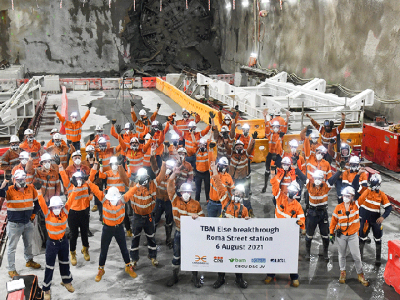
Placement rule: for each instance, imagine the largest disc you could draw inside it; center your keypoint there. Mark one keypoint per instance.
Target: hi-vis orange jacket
(180, 207)
(113, 179)
(317, 195)
(158, 139)
(281, 181)
(183, 124)
(73, 130)
(21, 200)
(274, 140)
(9, 160)
(327, 136)
(301, 163)
(161, 179)
(142, 199)
(95, 143)
(29, 177)
(348, 224)
(283, 209)
(36, 147)
(307, 143)
(372, 201)
(80, 195)
(113, 215)
(51, 143)
(126, 137)
(348, 177)
(140, 125)
(190, 145)
(105, 156)
(62, 152)
(55, 225)
(202, 159)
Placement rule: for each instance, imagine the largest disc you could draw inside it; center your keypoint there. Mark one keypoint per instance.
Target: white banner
(239, 245)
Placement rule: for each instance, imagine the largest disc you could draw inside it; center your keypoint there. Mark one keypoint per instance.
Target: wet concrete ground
(318, 279)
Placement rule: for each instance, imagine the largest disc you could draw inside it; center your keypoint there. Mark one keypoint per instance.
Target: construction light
(245, 3)
(265, 1)
(228, 6)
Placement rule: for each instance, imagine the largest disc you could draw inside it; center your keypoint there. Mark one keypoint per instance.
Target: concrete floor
(318, 279)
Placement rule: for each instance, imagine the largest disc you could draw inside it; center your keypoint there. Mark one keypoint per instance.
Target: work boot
(251, 213)
(196, 281)
(47, 295)
(73, 258)
(94, 208)
(308, 250)
(362, 244)
(378, 254)
(100, 274)
(368, 240)
(129, 270)
(240, 281)
(174, 279)
(266, 179)
(326, 246)
(295, 283)
(154, 261)
(268, 279)
(342, 278)
(129, 233)
(12, 274)
(220, 281)
(85, 252)
(68, 286)
(168, 240)
(362, 279)
(89, 233)
(32, 264)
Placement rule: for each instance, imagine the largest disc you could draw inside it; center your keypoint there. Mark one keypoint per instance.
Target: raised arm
(83, 119)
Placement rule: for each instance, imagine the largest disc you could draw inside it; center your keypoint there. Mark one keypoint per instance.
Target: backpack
(32, 290)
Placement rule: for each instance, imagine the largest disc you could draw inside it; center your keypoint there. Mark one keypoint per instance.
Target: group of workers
(148, 175)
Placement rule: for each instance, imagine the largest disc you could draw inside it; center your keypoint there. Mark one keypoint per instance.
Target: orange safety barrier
(64, 107)
(392, 269)
(94, 83)
(149, 82)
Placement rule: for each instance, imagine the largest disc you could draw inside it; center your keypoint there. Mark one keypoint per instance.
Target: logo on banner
(259, 260)
(218, 259)
(200, 260)
(236, 260)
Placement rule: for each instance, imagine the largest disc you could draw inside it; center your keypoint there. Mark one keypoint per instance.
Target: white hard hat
(354, 160)
(57, 136)
(76, 153)
(203, 141)
(74, 114)
(113, 160)
(174, 136)
(240, 188)
(142, 172)
(239, 142)
(89, 148)
(134, 140)
(56, 201)
(318, 174)
(294, 187)
(127, 125)
(276, 123)
(245, 126)
(182, 150)
(19, 174)
(45, 156)
(348, 190)
(28, 131)
(223, 161)
(186, 187)
(102, 141)
(14, 139)
(113, 193)
(184, 110)
(224, 128)
(99, 127)
(77, 174)
(142, 112)
(314, 134)
(54, 130)
(286, 160)
(192, 124)
(147, 137)
(227, 117)
(155, 123)
(24, 155)
(170, 163)
(294, 143)
(322, 149)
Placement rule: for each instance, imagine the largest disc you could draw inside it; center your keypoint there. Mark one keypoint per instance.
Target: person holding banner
(288, 207)
(346, 222)
(182, 205)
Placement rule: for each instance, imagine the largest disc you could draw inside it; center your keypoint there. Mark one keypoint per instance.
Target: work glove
(342, 164)
(255, 135)
(166, 143)
(57, 159)
(152, 132)
(100, 160)
(294, 160)
(118, 129)
(69, 142)
(221, 107)
(132, 103)
(33, 154)
(303, 232)
(55, 107)
(74, 182)
(42, 143)
(89, 105)
(332, 141)
(237, 107)
(113, 121)
(309, 130)
(212, 114)
(160, 127)
(131, 126)
(121, 159)
(234, 115)
(209, 121)
(127, 163)
(91, 137)
(332, 238)
(8, 176)
(158, 105)
(281, 134)
(37, 184)
(212, 144)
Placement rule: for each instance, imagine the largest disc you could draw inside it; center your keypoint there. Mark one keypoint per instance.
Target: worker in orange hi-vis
(33, 147)
(73, 127)
(10, 158)
(143, 122)
(183, 205)
(24, 157)
(183, 124)
(227, 120)
(94, 138)
(51, 142)
(128, 135)
(328, 131)
(356, 177)
(61, 150)
(287, 207)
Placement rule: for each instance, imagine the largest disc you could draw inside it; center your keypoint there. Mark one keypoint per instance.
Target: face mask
(114, 202)
(181, 158)
(317, 181)
(319, 156)
(90, 155)
(57, 143)
(354, 168)
(79, 182)
(77, 161)
(30, 139)
(169, 171)
(285, 167)
(375, 188)
(14, 147)
(134, 147)
(100, 132)
(47, 166)
(239, 151)
(293, 150)
(314, 141)
(24, 161)
(203, 149)
(155, 129)
(73, 120)
(186, 197)
(192, 129)
(227, 122)
(185, 116)
(221, 169)
(346, 199)
(127, 131)
(225, 135)
(143, 181)
(237, 199)
(245, 133)
(56, 211)
(114, 167)
(20, 184)
(102, 147)
(291, 195)
(276, 129)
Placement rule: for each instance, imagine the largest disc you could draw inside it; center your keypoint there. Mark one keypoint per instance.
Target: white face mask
(56, 211)
(47, 166)
(127, 131)
(227, 122)
(237, 199)
(114, 202)
(169, 171)
(24, 161)
(73, 120)
(186, 197)
(285, 167)
(319, 156)
(293, 150)
(276, 129)
(346, 199)
(317, 181)
(114, 167)
(79, 182)
(77, 162)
